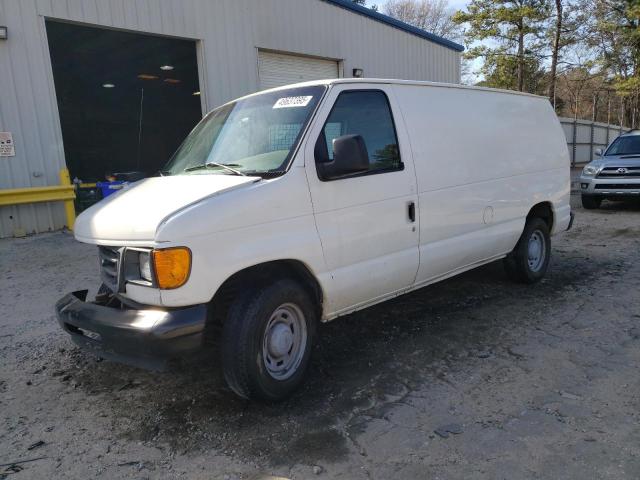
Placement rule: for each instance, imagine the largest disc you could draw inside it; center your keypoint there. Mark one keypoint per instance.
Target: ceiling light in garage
(196, 94)
(173, 81)
(166, 68)
(108, 85)
(146, 76)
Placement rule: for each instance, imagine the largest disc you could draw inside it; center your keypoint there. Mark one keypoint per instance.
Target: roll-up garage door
(277, 69)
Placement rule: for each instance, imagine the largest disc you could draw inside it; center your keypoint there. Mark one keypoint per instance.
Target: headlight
(172, 266)
(144, 260)
(589, 170)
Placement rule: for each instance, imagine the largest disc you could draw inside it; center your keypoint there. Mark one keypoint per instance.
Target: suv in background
(616, 174)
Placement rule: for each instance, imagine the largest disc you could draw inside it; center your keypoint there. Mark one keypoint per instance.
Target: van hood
(135, 213)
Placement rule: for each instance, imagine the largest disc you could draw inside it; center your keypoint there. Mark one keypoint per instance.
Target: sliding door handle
(411, 211)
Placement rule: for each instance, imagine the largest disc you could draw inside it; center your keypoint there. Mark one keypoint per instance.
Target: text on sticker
(289, 102)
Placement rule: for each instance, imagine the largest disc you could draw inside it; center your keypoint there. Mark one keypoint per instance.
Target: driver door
(367, 221)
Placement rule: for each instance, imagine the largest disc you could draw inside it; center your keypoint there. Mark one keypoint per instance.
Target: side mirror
(349, 156)
(598, 152)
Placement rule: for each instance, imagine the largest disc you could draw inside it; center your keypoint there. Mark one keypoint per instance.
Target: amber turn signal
(172, 266)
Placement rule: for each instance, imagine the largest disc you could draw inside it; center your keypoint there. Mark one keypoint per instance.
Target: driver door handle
(411, 211)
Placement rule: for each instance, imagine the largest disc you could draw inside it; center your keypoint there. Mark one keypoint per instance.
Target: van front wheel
(528, 262)
(267, 339)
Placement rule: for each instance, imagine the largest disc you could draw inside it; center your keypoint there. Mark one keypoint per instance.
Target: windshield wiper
(215, 164)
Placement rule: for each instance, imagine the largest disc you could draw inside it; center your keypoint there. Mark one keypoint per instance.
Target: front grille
(620, 172)
(109, 267)
(618, 186)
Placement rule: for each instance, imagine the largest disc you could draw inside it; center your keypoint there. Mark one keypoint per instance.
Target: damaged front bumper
(146, 337)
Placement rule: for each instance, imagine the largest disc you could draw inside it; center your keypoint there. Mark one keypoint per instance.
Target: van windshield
(625, 146)
(254, 136)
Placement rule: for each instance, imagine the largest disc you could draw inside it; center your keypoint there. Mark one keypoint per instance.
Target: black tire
(591, 202)
(244, 356)
(522, 267)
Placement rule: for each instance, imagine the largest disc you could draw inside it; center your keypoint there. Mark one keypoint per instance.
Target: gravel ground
(474, 377)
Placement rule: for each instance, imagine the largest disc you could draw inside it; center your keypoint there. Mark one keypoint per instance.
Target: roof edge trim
(380, 17)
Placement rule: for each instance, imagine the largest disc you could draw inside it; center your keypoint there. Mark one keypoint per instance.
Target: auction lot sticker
(7, 149)
(290, 102)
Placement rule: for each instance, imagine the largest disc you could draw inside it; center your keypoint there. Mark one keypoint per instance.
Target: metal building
(76, 76)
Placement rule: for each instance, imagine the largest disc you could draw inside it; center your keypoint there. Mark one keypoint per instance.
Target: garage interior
(126, 100)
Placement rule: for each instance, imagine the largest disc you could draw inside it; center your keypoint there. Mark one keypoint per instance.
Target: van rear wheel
(528, 262)
(267, 339)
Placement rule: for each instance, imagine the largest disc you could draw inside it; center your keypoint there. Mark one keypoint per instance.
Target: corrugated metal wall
(585, 136)
(231, 32)
(28, 109)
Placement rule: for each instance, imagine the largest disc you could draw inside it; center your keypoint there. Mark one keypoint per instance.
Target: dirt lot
(537, 382)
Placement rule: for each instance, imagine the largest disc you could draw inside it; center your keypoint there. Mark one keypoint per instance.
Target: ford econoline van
(304, 203)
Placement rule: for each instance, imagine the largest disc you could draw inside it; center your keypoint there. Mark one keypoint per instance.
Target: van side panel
(482, 160)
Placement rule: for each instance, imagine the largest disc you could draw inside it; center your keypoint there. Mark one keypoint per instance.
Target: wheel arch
(262, 273)
(543, 210)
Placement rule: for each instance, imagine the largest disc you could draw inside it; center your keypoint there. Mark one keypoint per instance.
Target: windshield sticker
(290, 102)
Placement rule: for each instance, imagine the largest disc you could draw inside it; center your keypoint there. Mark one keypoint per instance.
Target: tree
(555, 51)
(500, 71)
(515, 27)
(615, 33)
(434, 16)
(566, 30)
(578, 88)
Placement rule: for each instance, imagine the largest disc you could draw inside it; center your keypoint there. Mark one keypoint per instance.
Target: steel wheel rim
(284, 341)
(536, 251)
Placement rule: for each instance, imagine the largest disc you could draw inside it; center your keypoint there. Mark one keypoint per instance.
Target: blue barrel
(109, 188)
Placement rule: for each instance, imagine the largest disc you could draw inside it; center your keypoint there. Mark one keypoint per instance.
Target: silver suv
(616, 174)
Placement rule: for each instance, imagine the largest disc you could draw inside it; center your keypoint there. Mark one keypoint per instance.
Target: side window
(366, 113)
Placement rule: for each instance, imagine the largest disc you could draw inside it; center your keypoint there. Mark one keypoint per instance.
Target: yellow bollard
(69, 207)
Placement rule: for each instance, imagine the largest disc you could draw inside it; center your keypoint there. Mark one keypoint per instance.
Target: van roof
(343, 81)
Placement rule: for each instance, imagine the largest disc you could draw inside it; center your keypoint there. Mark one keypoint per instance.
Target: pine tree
(512, 27)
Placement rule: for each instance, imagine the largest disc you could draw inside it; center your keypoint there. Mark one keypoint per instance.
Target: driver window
(365, 113)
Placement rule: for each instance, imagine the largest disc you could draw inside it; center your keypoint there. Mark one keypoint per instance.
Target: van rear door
(367, 221)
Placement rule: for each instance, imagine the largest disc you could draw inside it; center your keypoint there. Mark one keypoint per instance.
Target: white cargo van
(301, 204)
